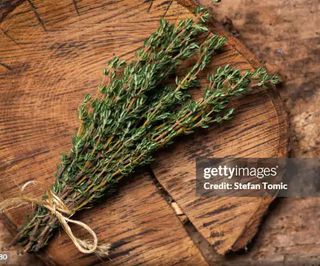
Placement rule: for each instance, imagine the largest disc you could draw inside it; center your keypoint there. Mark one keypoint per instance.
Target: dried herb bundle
(144, 106)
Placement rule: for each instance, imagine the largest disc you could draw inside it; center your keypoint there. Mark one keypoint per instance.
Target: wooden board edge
(252, 228)
(254, 61)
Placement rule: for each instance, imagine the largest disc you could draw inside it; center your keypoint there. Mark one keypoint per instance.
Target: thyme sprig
(143, 107)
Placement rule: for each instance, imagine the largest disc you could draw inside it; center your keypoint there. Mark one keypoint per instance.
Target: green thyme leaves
(145, 104)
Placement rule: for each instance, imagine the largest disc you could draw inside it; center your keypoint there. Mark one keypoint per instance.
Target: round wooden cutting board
(52, 53)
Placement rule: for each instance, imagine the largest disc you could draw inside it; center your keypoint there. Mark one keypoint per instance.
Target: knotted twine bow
(59, 209)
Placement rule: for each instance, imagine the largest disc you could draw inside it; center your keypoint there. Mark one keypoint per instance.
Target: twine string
(59, 209)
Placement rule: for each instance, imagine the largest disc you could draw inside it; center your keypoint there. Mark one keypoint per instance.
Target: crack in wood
(167, 9)
(5, 33)
(75, 5)
(6, 66)
(150, 5)
(34, 9)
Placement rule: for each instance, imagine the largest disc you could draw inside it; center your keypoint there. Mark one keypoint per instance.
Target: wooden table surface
(286, 35)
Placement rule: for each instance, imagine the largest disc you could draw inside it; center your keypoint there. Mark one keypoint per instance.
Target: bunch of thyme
(143, 108)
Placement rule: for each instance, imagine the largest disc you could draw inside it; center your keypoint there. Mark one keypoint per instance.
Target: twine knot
(61, 211)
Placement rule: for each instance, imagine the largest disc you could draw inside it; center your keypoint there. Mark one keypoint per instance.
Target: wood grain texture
(51, 71)
(7, 6)
(286, 35)
(259, 131)
(54, 55)
(140, 225)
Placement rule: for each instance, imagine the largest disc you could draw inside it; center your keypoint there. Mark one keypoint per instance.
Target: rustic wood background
(43, 89)
(286, 35)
